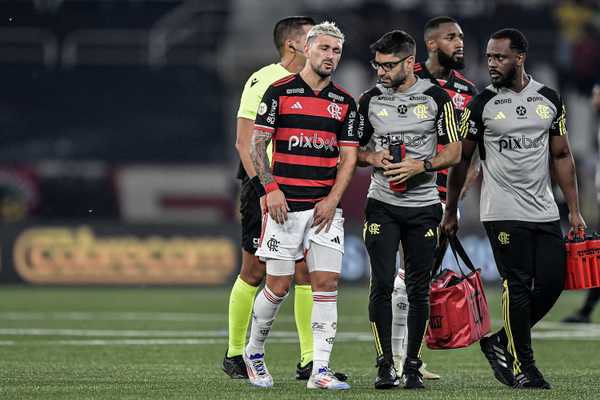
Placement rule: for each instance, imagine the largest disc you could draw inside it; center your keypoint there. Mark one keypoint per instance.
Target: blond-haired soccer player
(289, 36)
(313, 126)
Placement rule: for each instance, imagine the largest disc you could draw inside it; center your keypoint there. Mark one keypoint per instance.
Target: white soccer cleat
(326, 380)
(258, 374)
(428, 374)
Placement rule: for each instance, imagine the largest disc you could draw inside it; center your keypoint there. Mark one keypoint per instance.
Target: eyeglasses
(387, 66)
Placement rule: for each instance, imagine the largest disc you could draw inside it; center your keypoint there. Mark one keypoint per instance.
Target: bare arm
(378, 159)
(564, 172)
(243, 144)
(325, 209)
(456, 180)
(276, 203)
(260, 158)
(348, 159)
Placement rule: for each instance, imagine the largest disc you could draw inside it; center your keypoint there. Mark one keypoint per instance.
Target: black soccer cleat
(411, 376)
(235, 367)
(531, 378)
(303, 373)
(499, 358)
(387, 377)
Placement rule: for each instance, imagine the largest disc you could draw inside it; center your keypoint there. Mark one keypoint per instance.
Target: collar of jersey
(412, 90)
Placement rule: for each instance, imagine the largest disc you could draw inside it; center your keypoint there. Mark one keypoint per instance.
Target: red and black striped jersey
(308, 128)
(461, 91)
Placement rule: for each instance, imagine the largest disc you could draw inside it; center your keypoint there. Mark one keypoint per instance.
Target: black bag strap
(457, 249)
(440, 251)
(457, 246)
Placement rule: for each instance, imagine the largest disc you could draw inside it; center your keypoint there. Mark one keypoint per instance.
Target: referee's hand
(277, 206)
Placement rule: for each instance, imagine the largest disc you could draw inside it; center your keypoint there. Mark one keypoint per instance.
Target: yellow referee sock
(303, 304)
(241, 301)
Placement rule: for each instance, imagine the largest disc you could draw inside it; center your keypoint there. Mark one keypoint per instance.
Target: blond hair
(325, 28)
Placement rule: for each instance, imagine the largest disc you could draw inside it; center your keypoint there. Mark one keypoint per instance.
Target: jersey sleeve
(363, 111)
(267, 112)
(351, 131)
(251, 97)
(471, 122)
(559, 123)
(445, 118)
(558, 127)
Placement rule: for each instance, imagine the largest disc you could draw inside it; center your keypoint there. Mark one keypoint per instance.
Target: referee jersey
(254, 89)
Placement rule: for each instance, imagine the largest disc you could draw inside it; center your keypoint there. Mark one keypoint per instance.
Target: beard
(394, 83)
(506, 80)
(449, 62)
(322, 71)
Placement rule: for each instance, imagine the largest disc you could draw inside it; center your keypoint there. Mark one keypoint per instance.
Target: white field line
(138, 316)
(348, 336)
(175, 337)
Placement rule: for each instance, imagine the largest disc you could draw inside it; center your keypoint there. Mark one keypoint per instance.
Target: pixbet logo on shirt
(312, 142)
(408, 140)
(518, 143)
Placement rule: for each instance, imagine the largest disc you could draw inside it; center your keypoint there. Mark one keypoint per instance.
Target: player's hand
(404, 170)
(277, 206)
(577, 223)
(324, 212)
(449, 225)
(379, 159)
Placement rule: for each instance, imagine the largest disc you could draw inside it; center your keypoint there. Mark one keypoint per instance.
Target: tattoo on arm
(260, 158)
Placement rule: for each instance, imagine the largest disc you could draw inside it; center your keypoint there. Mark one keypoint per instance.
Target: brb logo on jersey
(335, 111)
(312, 142)
(519, 143)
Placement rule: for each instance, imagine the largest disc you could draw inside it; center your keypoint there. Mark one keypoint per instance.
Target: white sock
(324, 326)
(399, 319)
(265, 310)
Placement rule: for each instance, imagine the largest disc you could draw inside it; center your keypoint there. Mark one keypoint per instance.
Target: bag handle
(457, 249)
(440, 251)
(457, 246)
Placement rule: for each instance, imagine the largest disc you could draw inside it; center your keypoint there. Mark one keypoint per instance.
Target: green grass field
(158, 343)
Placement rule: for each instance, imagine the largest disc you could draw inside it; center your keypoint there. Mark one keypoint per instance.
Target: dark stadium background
(118, 117)
(119, 231)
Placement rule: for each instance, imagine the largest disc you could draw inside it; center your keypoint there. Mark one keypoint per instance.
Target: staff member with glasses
(403, 205)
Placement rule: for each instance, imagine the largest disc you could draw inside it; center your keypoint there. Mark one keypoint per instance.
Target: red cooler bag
(583, 260)
(458, 313)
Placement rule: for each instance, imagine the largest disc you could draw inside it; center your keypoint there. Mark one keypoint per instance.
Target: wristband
(258, 187)
(271, 187)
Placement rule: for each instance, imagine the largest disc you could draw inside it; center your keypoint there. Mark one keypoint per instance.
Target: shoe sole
(318, 387)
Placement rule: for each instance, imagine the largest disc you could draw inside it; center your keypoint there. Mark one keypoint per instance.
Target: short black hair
(288, 27)
(394, 42)
(435, 23)
(518, 42)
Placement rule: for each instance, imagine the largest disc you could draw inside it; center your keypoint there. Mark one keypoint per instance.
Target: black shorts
(251, 216)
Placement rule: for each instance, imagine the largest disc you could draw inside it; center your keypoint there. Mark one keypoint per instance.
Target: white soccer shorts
(291, 240)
